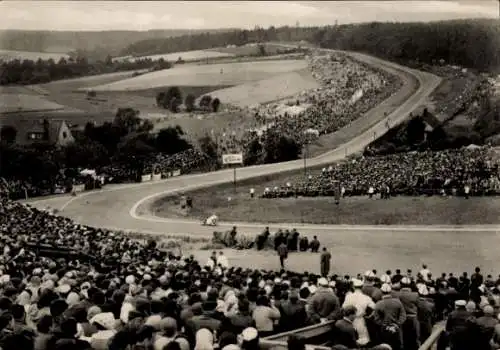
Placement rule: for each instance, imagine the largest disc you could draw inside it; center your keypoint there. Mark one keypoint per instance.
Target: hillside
(107, 42)
(472, 43)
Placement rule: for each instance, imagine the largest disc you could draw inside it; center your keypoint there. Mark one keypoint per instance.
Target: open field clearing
(323, 210)
(206, 75)
(8, 55)
(247, 50)
(239, 59)
(24, 102)
(186, 56)
(87, 82)
(267, 90)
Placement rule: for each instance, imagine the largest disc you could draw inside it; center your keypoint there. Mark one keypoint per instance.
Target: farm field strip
(24, 102)
(186, 56)
(207, 75)
(267, 90)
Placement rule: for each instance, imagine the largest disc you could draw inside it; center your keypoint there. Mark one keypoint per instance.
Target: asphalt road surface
(354, 248)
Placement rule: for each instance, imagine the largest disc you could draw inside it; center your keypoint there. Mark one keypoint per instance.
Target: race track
(354, 248)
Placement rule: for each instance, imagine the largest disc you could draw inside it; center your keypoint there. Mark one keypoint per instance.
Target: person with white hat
(426, 309)
(389, 314)
(369, 287)
(324, 304)
(486, 324)
(411, 328)
(363, 304)
(458, 327)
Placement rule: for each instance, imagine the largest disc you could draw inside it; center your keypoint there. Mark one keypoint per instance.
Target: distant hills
(90, 43)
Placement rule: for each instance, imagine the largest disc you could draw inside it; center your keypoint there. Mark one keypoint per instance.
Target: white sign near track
(236, 158)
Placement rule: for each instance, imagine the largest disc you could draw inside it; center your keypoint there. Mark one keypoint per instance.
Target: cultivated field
(25, 102)
(250, 50)
(84, 83)
(8, 55)
(206, 75)
(186, 56)
(267, 90)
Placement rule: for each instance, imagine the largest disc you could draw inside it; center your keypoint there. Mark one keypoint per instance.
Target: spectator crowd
(65, 285)
(348, 89)
(466, 171)
(166, 165)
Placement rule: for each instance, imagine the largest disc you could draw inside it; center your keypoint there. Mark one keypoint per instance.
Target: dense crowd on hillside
(348, 89)
(468, 171)
(65, 285)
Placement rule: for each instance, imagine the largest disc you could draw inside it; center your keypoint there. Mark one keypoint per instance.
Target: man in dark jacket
(242, 319)
(458, 327)
(486, 327)
(278, 239)
(476, 280)
(411, 327)
(198, 321)
(314, 245)
(425, 313)
(282, 253)
(344, 332)
(324, 304)
(304, 244)
(293, 313)
(325, 262)
(390, 315)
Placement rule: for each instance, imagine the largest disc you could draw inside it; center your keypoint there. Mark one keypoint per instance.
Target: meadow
(186, 56)
(267, 90)
(26, 102)
(228, 74)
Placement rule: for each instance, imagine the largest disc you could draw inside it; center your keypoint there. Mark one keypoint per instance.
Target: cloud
(143, 15)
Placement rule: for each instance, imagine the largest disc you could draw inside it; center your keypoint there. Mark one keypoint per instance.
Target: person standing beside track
(282, 253)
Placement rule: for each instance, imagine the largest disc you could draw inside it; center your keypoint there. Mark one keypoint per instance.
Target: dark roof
(29, 126)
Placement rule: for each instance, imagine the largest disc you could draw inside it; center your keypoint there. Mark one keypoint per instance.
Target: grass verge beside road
(323, 210)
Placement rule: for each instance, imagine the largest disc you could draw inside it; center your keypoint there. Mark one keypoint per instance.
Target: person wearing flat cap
(458, 327)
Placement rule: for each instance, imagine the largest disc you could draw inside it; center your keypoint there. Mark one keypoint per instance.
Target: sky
(145, 15)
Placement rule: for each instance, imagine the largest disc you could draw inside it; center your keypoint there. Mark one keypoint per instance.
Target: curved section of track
(451, 248)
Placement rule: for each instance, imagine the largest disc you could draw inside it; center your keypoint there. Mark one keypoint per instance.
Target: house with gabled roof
(49, 131)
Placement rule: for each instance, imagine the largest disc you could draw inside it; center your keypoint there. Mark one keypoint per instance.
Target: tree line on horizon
(25, 72)
(471, 43)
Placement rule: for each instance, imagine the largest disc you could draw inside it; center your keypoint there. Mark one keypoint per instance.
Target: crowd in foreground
(463, 172)
(99, 289)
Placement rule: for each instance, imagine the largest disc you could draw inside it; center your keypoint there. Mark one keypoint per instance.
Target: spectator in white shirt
(222, 261)
(425, 272)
